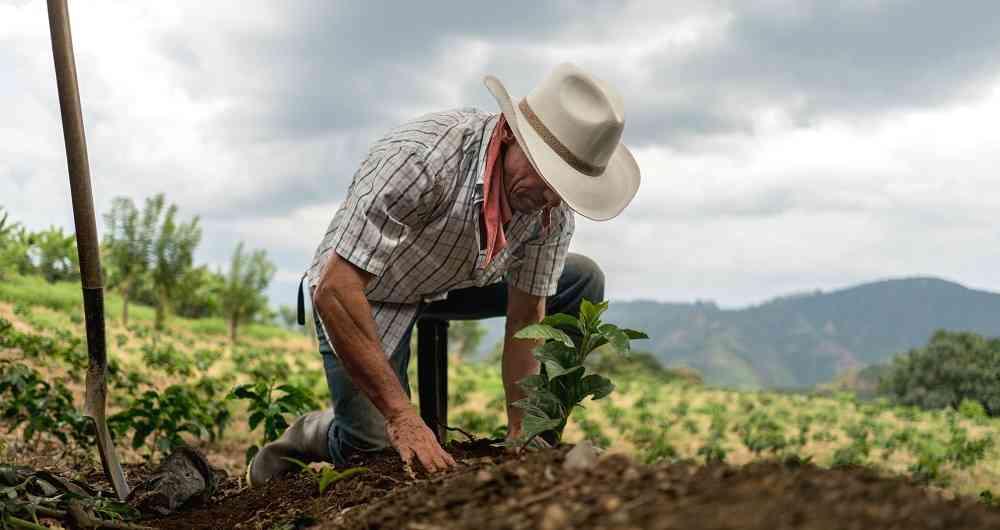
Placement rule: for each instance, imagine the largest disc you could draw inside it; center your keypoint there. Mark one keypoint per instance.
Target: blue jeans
(359, 427)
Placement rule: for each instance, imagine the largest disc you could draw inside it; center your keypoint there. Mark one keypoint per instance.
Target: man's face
(526, 191)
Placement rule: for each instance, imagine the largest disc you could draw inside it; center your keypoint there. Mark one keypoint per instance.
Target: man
(458, 215)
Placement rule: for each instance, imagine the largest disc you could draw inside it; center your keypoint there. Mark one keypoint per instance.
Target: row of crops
(185, 385)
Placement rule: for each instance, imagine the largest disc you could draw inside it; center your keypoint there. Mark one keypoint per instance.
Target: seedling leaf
(615, 336)
(555, 370)
(634, 335)
(330, 475)
(596, 386)
(542, 331)
(562, 321)
(534, 425)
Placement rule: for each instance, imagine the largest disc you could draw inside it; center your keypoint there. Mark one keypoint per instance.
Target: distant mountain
(798, 341)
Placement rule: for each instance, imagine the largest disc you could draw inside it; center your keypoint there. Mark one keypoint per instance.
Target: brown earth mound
(534, 491)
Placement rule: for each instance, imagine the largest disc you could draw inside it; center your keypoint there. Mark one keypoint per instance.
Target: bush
(196, 409)
(972, 410)
(953, 367)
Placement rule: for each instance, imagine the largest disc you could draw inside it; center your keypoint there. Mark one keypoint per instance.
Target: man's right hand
(411, 437)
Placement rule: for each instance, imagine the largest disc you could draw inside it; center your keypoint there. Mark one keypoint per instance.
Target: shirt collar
(480, 166)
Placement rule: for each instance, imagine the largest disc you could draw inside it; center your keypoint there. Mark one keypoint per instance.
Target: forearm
(346, 314)
(518, 363)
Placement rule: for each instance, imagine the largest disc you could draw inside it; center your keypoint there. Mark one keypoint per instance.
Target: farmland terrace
(674, 453)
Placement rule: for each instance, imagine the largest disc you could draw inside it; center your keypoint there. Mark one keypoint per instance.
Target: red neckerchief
(496, 209)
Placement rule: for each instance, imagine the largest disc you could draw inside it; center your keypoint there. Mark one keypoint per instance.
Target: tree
(954, 366)
(173, 252)
(465, 336)
(128, 243)
(55, 256)
(243, 294)
(198, 292)
(15, 241)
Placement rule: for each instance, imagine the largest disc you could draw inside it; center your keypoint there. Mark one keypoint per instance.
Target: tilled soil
(533, 491)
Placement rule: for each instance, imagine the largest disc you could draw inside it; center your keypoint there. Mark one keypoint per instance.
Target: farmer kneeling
(457, 215)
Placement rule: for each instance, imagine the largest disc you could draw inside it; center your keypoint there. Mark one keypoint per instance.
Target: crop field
(189, 385)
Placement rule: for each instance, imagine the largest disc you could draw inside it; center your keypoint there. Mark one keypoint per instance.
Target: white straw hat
(570, 128)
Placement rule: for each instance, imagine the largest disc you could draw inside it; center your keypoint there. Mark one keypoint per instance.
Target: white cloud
(771, 164)
(792, 208)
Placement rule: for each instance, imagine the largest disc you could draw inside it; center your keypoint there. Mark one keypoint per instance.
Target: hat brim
(599, 198)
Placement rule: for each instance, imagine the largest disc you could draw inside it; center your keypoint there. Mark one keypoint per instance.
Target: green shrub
(28, 398)
(971, 409)
(271, 405)
(195, 409)
(953, 367)
(760, 433)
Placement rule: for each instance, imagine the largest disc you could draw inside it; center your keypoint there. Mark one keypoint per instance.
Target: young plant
(178, 409)
(28, 398)
(564, 382)
(761, 433)
(271, 409)
(714, 449)
(327, 474)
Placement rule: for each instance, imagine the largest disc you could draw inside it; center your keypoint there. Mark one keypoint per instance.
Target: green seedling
(272, 410)
(564, 381)
(327, 474)
(182, 408)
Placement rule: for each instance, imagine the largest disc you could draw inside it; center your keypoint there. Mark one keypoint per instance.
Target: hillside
(801, 340)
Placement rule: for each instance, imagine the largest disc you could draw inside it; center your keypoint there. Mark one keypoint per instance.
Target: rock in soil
(182, 477)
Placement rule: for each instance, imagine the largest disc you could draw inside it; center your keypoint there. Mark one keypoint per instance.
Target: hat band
(557, 146)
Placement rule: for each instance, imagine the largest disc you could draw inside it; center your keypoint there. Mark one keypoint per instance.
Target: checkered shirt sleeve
(392, 192)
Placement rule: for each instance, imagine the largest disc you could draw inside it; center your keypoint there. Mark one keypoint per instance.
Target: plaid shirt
(411, 218)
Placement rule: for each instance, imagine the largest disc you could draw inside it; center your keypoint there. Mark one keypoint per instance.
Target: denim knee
(590, 275)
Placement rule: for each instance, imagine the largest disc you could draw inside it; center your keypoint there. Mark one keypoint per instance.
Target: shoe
(305, 440)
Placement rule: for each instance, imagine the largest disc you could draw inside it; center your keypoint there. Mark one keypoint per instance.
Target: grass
(66, 297)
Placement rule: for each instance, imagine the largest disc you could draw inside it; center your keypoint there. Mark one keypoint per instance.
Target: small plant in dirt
(164, 356)
(327, 474)
(714, 449)
(271, 405)
(592, 431)
(690, 425)
(205, 359)
(931, 459)
(857, 451)
(760, 433)
(563, 381)
(986, 497)
(27, 398)
(182, 408)
(615, 415)
(962, 451)
(61, 346)
(804, 423)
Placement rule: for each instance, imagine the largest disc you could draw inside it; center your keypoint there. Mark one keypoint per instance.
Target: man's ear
(506, 135)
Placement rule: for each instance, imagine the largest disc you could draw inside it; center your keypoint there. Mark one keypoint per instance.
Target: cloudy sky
(785, 145)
